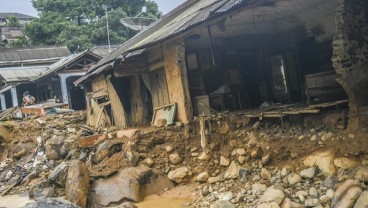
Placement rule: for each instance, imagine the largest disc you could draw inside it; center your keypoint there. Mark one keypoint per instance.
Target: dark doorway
(77, 99)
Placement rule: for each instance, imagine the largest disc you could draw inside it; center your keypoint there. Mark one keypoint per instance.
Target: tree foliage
(13, 21)
(83, 22)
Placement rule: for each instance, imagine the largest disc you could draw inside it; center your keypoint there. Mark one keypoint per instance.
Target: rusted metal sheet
(92, 141)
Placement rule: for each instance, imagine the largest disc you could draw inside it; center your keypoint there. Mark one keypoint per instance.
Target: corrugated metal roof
(184, 17)
(64, 62)
(21, 74)
(10, 55)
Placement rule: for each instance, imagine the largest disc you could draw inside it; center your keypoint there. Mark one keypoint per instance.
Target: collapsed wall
(350, 58)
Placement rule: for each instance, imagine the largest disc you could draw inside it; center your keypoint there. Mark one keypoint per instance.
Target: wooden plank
(99, 93)
(118, 111)
(92, 141)
(325, 105)
(33, 111)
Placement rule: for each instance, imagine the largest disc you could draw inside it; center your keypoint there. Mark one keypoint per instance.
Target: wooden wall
(177, 80)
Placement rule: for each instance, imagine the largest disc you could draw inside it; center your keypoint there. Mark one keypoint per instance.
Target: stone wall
(350, 57)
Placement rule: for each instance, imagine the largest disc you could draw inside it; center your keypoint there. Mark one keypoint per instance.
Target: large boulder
(362, 200)
(51, 202)
(130, 184)
(347, 194)
(77, 183)
(323, 160)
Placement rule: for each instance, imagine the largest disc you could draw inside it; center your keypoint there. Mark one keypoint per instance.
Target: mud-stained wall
(176, 80)
(138, 106)
(117, 108)
(350, 57)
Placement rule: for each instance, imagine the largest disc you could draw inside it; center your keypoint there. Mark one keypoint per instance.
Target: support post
(3, 103)
(14, 96)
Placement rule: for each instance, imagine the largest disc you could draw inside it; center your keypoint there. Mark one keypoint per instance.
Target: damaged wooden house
(48, 84)
(230, 55)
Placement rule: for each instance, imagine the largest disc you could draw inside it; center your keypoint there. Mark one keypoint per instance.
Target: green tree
(13, 21)
(83, 22)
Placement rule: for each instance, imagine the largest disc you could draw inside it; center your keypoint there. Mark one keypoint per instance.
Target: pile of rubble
(235, 162)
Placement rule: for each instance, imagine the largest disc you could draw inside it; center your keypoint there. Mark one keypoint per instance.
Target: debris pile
(235, 162)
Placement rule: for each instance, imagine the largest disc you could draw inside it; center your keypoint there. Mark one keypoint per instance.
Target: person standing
(28, 99)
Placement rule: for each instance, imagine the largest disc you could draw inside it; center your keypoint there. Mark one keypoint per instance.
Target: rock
(313, 138)
(53, 148)
(257, 153)
(59, 174)
(311, 202)
(106, 149)
(330, 193)
(242, 159)
(252, 141)
(286, 203)
(241, 151)
(323, 160)
(41, 191)
(327, 136)
(179, 175)
(222, 204)
(213, 180)
(161, 123)
(303, 193)
(272, 195)
(285, 171)
(362, 200)
(77, 183)
(265, 174)
(169, 149)
(148, 162)
(347, 194)
(266, 159)
(224, 161)
(204, 157)
(325, 199)
(269, 205)
(308, 173)
(128, 133)
(227, 196)
(203, 177)
(131, 184)
(362, 173)
(345, 163)
(175, 158)
(313, 192)
(132, 158)
(330, 182)
(51, 202)
(232, 172)
(294, 179)
(258, 188)
(127, 205)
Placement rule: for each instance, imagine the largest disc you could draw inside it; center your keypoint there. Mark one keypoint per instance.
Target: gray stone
(308, 173)
(132, 184)
(258, 188)
(265, 174)
(272, 195)
(311, 202)
(347, 194)
(362, 173)
(51, 202)
(59, 174)
(362, 201)
(132, 158)
(222, 204)
(269, 205)
(313, 192)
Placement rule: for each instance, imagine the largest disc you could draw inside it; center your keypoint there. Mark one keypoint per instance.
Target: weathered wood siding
(117, 107)
(177, 80)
